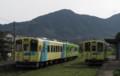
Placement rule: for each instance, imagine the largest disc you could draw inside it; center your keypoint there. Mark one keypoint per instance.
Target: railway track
(6, 66)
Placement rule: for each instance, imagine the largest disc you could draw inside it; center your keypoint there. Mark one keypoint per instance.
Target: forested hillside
(67, 26)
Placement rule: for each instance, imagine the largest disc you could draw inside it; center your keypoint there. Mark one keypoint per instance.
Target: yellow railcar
(33, 52)
(94, 52)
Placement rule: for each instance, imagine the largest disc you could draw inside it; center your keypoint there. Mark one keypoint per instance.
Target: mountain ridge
(67, 26)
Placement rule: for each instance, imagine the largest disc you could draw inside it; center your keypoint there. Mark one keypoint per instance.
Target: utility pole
(14, 31)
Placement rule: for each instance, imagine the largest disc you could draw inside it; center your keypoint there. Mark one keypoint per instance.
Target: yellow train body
(94, 51)
(30, 50)
(27, 55)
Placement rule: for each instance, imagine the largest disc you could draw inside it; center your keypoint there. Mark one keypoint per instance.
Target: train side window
(48, 48)
(87, 46)
(52, 48)
(61, 48)
(56, 48)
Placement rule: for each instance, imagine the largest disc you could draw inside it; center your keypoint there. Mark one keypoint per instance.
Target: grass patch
(111, 52)
(70, 68)
(117, 72)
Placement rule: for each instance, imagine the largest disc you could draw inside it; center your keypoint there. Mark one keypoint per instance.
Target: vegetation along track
(71, 68)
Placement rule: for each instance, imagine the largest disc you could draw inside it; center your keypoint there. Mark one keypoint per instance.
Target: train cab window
(87, 46)
(33, 45)
(18, 45)
(26, 47)
(100, 46)
(93, 48)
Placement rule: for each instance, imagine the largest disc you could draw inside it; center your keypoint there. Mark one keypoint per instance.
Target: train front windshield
(100, 47)
(87, 46)
(33, 45)
(18, 45)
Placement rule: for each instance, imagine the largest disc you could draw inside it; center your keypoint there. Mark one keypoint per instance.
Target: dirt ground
(108, 67)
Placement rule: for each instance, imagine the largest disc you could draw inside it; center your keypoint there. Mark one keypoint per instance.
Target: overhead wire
(5, 19)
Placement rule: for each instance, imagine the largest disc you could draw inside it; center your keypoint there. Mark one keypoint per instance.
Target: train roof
(95, 41)
(72, 44)
(42, 39)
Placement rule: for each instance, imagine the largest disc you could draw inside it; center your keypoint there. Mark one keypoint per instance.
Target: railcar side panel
(72, 50)
(54, 50)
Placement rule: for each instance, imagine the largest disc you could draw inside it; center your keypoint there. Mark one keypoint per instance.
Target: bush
(111, 52)
(117, 72)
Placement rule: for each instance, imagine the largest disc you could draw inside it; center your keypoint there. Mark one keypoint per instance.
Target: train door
(93, 50)
(100, 49)
(87, 50)
(18, 51)
(26, 50)
(34, 50)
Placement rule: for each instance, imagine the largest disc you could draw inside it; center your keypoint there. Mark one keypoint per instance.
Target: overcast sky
(24, 10)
